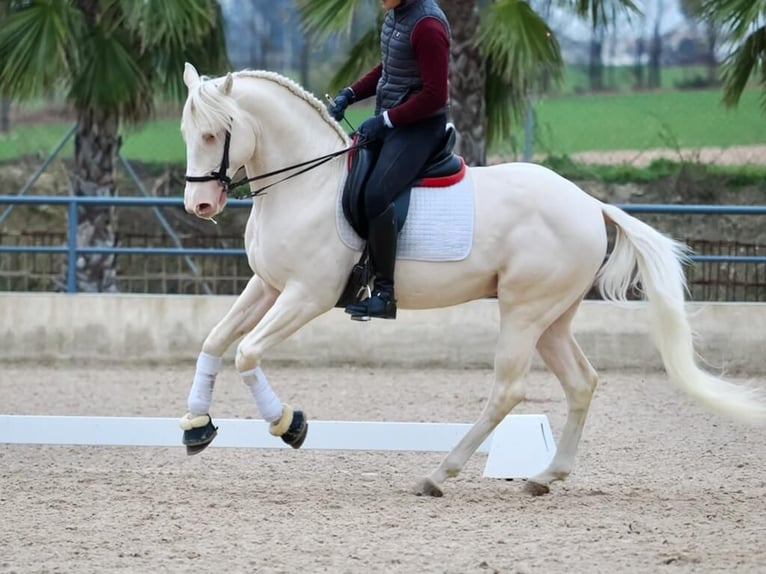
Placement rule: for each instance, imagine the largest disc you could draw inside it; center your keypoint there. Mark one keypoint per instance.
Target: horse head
(219, 141)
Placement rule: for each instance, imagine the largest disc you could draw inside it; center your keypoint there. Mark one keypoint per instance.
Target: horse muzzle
(205, 201)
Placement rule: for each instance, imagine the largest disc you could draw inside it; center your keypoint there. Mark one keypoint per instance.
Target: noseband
(219, 175)
(225, 181)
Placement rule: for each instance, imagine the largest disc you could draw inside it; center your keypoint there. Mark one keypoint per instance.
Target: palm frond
(114, 80)
(737, 17)
(747, 59)
(176, 32)
(168, 24)
(503, 105)
(601, 12)
(322, 18)
(36, 48)
(364, 54)
(522, 54)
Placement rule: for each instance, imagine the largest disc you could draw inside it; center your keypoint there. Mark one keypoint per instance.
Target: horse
(539, 244)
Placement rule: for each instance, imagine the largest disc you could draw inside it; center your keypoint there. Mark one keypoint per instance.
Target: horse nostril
(203, 208)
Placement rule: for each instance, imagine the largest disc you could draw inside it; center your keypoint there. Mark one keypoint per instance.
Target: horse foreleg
(294, 307)
(248, 309)
(565, 359)
(512, 360)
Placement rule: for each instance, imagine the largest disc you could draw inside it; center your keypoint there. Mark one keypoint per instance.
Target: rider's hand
(372, 129)
(338, 107)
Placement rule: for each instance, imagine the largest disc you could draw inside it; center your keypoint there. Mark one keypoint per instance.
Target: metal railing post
(71, 267)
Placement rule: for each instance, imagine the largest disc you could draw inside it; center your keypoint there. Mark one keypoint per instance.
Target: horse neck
(289, 130)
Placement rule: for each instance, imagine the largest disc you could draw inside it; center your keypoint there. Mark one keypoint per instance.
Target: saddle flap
(361, 162)
(444, 152)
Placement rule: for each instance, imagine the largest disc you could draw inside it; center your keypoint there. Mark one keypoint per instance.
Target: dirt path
(660, 486)
(733, 155)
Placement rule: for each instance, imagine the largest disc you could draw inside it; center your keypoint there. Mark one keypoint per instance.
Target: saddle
(440, 170)
(442, 164)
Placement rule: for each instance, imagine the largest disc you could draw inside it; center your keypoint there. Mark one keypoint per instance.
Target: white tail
(660, 274)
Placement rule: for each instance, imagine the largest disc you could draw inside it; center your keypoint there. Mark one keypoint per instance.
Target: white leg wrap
(201, 393)
(267, 402)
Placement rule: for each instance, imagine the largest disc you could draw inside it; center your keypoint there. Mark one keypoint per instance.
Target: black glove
(338, 107)
(372, 129)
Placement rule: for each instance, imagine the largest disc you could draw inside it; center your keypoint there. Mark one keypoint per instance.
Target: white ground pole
(520, 447)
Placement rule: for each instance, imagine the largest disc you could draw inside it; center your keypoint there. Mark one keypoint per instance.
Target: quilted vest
(401, 77)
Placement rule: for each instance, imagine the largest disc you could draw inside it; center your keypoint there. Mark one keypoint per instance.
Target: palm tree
(743, 23)
(110, 58)
(502, 52)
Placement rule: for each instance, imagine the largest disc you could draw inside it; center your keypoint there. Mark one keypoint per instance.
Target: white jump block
(520, 447)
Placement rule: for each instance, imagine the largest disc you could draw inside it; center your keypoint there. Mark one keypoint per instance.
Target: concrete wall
(171, 328)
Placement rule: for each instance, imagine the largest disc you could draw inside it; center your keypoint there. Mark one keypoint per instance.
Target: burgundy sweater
(430, 43)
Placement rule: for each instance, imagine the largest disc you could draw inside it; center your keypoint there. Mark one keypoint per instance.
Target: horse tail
(660, 276)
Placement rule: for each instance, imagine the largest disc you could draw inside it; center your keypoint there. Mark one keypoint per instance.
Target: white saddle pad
(439, 225)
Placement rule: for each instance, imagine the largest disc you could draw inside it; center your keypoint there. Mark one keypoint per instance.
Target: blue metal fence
(72, 250)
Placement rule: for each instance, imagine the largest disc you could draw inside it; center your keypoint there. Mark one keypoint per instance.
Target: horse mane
(211, 111)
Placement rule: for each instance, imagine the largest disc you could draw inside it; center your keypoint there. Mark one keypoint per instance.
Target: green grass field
(643, 120)
(565, 125)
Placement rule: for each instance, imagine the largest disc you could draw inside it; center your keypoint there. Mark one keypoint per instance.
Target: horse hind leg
(565, 359)
(512, 359)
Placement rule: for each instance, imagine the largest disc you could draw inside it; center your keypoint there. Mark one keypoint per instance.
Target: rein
(228, 185)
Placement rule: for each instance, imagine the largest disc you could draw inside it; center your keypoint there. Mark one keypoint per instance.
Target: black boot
(382, 243)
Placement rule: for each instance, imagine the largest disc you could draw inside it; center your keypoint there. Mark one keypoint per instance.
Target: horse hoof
(197, 439)
(296, 433)
(536, 488)
(428, 487)
(196, 449)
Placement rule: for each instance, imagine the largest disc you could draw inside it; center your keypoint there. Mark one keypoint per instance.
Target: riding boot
(382, 244)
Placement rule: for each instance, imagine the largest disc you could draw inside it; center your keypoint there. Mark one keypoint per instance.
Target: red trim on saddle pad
(444, 181)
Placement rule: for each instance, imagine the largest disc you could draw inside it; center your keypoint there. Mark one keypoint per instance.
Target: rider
(412, 99)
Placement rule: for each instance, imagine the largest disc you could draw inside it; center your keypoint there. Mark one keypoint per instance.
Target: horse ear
(226, 86)
(191, 76)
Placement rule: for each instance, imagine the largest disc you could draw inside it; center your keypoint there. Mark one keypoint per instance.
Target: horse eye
(208, 138)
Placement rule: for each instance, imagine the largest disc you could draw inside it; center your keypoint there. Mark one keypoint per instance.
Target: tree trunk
(596, 59)
(655, 59)
(97, 144)
(710, 57)
(655, 48)
(638, 67)
(467, 81)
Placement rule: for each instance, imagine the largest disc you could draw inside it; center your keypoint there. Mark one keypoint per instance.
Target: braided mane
(212, 112)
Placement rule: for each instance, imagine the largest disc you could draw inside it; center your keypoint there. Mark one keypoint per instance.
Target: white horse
(539, 245)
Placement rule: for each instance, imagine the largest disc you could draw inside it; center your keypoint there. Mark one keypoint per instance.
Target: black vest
(401, 76)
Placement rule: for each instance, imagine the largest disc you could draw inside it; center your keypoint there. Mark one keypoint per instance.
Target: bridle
(228, 186)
